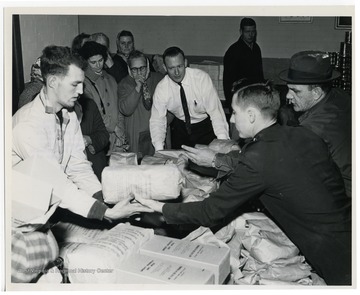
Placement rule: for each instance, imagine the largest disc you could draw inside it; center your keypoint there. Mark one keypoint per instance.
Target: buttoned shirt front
(202, 100)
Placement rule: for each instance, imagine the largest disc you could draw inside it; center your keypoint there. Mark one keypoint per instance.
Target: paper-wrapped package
(148, 181)
(162, 157)
(266, 242)
(96, 262)
(117, 158)
(224, 146)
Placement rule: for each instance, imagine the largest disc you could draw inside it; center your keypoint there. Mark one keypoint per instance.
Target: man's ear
(52, 81)
(251, 113)
(317, 93)
(164, 67)
(186, 63)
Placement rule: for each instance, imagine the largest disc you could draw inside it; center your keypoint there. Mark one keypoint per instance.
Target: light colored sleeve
(214, 108)
(158, 120)
(79, 168)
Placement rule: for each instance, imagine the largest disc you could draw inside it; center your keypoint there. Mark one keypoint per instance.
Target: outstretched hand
(154, 205)
(200, 155)
(125, 209)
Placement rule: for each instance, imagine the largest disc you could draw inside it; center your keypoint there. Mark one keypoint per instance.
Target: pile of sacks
(260, 253)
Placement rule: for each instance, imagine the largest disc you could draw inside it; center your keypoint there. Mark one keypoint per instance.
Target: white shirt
(36, 131)
(202, 100)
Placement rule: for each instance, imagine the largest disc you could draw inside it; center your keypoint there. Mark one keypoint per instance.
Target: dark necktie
(147, 99)
(185, 108)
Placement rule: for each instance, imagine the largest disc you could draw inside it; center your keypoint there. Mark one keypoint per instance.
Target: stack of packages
(260, 253)
(256, 249)
(163, 176)
(127, 254)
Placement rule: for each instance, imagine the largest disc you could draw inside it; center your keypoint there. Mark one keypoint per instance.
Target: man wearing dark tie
(190, 96)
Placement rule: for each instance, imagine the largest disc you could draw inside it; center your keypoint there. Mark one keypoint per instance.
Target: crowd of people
(85, 103)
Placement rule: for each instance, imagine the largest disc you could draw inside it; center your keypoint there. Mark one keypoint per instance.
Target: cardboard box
(209, 257)
(49, 173)
(31, 199)
(143, 269)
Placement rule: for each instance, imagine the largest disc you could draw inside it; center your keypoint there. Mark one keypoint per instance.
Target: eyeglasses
(136, 70)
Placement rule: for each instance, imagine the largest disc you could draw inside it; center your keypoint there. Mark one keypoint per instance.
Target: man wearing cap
(326, 110)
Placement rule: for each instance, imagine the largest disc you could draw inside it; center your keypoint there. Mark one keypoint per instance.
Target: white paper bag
(147, 181)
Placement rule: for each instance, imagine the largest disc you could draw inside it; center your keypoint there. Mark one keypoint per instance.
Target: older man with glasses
(135, 94)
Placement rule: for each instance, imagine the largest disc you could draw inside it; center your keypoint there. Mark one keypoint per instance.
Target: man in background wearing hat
(326, 110)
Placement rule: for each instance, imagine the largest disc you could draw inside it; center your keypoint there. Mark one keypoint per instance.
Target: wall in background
(212, 35)
(38, 31)
(197, 35)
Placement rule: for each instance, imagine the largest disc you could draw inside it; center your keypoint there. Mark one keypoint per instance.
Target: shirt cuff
(97, 210)
(99, 196)
(158, 147)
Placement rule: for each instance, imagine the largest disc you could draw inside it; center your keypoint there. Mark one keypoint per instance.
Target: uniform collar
(268, 134)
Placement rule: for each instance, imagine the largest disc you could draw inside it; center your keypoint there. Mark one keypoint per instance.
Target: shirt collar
(92, 76)
(185, 81)
(122, 56)
(49, 109)
(247, 45)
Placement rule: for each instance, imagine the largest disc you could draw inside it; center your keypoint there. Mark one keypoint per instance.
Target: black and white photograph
(179, 147)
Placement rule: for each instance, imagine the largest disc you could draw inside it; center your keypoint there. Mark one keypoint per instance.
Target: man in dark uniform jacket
(242, 59)
(291, 171)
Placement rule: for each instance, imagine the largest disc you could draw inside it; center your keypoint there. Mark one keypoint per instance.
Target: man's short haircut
(262, 96)
(123, 33)
(100, 35)
(136, 54)
(55, 60)
(91, 48)
(172, 52)
(78, 41)
(246, 21)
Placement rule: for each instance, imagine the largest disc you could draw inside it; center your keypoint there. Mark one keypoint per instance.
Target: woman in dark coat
(96, 137)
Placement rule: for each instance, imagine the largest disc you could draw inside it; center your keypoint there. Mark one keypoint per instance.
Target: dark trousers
(201, 133)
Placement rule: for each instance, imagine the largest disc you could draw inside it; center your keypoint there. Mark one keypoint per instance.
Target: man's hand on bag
(200, 155)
